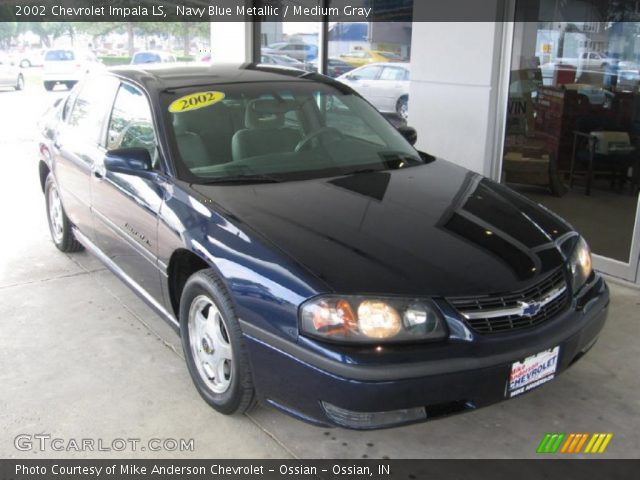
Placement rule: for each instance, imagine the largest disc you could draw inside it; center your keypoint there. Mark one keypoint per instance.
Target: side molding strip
(118, 272)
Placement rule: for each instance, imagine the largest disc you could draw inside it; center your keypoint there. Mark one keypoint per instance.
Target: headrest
(267, 113)
(180, 123)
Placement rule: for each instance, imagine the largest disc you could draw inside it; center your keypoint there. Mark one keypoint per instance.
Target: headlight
(357, 319)
(580, 264)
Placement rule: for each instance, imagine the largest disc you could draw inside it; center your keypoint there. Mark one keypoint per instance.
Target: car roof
(156, 77)
(404, 65)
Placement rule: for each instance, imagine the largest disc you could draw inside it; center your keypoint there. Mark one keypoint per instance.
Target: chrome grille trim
(515, 310)
(520, 310)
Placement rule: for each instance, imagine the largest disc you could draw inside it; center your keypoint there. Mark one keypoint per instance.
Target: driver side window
(131, 123)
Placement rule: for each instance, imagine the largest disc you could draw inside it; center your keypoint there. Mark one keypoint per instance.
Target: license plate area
(532, 372)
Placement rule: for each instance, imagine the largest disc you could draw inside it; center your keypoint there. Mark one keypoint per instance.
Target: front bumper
(326, 391)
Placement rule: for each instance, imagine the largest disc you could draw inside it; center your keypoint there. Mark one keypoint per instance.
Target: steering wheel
(307, 139)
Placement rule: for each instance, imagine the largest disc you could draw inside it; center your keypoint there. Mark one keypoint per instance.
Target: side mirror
(409, 133)
(130, 161)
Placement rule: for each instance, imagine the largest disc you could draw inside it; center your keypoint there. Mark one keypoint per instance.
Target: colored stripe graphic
(598, 443)
(550, 443)
(574, 442)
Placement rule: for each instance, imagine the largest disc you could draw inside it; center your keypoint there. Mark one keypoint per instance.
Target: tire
(59, 225)
(20, 83)
(69, 85)
(212, 344)
(25, 63)
(48, 86)
(402, 107)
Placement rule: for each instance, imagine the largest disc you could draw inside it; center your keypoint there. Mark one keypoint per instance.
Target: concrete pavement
(83, 357)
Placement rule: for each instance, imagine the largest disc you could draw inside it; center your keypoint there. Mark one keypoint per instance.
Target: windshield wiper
(242, 179)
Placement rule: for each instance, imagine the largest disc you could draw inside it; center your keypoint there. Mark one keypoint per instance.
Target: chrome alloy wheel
(210, 346)
(56, 220)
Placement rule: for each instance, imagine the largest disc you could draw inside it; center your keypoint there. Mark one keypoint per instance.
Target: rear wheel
(48, 86)
(212, 343)
(59, 225)
(69, 85)
(20, 82)
(402, 107)
(25, 63)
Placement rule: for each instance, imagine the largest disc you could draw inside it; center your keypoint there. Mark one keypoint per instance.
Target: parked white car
(385, 85)
(67, 66)
(10, 75)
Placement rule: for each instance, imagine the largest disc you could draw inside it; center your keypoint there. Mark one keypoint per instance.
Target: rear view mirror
(409, 133)
(131, 161)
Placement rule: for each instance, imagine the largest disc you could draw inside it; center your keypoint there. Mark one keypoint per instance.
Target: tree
(50, 31)
(8, 30)
(187, 31)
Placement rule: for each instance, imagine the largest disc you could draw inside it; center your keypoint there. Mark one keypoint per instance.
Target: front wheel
(212, 343)
(48, 86)
(59, 225)
(402, 107)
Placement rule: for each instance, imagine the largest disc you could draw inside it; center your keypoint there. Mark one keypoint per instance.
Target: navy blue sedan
(307, 254)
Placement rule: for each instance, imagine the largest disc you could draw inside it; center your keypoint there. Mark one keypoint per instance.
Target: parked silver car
(385, 85)
(10, 75)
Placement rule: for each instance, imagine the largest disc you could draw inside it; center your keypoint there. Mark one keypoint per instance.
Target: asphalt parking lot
(83, 357)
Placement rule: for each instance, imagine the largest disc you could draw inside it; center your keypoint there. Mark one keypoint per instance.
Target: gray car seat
(190, 144)
(265, 132)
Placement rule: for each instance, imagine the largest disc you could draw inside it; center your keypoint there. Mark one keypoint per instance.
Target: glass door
(572, 134)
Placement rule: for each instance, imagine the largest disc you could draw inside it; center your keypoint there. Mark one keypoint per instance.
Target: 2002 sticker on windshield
(194, 101)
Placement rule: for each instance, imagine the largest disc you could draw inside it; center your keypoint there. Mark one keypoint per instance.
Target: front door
(125, 207)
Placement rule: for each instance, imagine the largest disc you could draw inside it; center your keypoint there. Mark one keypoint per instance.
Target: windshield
(280, 131)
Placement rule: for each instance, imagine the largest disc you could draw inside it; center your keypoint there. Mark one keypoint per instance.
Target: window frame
(100, 140)
(162, 167)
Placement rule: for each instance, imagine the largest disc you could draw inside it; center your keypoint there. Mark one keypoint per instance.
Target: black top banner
(588, 11)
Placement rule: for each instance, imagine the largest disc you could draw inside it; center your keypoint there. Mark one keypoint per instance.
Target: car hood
(435, 229)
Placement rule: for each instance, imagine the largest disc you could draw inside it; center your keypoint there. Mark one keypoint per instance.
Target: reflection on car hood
(436, 229)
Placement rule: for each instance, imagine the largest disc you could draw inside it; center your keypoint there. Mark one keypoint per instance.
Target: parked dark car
(335, 67)
(308, 255)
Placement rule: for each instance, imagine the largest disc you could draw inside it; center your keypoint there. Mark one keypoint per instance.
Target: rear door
(126, 207)
(6, 71)
(362, 81)
(390, 86)
(77, 145)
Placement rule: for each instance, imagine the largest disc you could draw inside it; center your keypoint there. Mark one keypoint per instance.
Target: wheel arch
(182, 264)
(43, 170)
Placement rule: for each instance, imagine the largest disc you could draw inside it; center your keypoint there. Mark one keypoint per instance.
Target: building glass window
(573, 118)
(350, 47)
(290, 44)
(353, 46)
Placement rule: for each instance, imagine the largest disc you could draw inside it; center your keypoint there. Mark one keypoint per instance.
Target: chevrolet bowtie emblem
(530, 309)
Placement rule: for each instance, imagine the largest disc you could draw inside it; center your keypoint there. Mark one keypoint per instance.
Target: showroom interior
(549, 107)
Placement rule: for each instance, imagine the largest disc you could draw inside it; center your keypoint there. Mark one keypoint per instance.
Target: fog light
(368, 420)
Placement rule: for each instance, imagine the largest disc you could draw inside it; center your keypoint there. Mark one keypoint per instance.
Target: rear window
(146, 57)
(59, 55)
(390, 55)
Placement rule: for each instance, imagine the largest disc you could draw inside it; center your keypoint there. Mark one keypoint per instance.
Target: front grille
(495, 313)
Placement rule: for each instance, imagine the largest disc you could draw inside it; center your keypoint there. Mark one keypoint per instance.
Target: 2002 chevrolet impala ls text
(307, 254)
